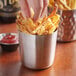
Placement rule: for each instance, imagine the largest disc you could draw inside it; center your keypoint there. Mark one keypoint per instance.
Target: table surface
(64, 63)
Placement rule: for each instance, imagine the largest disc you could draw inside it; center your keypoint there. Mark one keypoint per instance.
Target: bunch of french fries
(64, 4)
(44, 26)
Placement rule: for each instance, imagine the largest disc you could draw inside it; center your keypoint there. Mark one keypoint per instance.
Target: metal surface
(67, 28)
(37, 52)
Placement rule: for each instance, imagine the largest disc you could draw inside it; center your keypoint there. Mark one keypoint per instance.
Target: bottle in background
(8, 10)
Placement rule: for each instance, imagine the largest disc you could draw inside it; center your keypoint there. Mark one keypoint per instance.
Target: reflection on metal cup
(67, 28)
(37, 52)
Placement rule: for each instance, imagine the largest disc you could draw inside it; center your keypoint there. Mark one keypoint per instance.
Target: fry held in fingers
(43, 26)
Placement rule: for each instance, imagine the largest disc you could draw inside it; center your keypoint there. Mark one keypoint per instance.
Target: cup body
(67, 27)
(37, 52)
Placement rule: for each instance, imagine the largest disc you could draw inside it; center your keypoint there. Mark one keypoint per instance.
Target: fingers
(45, 4)
(38, 9)
(31, 5)
(24, 8)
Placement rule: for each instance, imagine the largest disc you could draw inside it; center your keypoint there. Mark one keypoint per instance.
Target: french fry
(22, 28)
(52, 30)
(47, 24)
(38, 28)
(29, 25)
(60, 6)
(42, 27)
(45, 27)
(73, 4)
(52, 14)
(41, 31)
(55, 19)
(70, 5)
(67, 1)
(64, 5)
(46, 32)
(51, 2)
(32, 12)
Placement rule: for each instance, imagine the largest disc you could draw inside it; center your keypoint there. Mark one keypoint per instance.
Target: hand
(39, 7)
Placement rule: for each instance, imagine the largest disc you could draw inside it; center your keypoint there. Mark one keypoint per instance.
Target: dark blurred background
(8, 10)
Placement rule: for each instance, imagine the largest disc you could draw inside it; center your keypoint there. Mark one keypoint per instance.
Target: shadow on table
(29, 72)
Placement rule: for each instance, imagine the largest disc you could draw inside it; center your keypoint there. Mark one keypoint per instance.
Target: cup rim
(38, 35)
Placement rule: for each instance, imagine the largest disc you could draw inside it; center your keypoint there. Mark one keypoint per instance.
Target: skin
(39, 7)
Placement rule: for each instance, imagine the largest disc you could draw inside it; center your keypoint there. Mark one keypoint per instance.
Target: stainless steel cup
(67, 27)
(37, 52)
